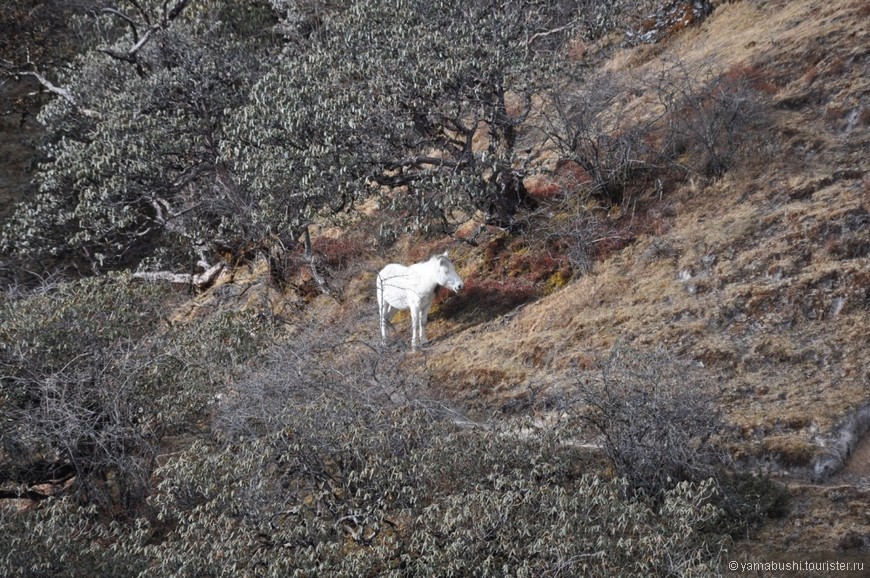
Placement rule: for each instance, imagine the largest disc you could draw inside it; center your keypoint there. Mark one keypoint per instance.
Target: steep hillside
(762, 277)
(264, 399)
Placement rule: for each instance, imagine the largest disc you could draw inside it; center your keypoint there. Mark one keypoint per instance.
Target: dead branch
(62, 92)
(199, 280)
(311, 259)
(167, 16)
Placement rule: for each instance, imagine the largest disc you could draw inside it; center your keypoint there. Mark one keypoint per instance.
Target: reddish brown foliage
(340, 252)
(753, 75)
(567, 177)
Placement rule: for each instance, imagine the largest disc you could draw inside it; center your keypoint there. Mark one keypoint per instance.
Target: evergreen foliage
(189, 126)
(91, 382)
(385, 493)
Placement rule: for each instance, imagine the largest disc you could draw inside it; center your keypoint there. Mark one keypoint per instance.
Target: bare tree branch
(198, 280)
(311, 259)
(546, 33)
(141, 11)
(168, 15)
(176, 11)
(126, 18)
(64, 93)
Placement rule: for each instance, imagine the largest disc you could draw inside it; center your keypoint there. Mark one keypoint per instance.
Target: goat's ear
(445, 254)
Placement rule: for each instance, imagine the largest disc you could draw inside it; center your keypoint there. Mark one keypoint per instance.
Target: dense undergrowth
(387, 493)
(212, 449)
(325, 458)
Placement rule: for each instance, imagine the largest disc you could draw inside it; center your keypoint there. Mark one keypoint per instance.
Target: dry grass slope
(762, 276)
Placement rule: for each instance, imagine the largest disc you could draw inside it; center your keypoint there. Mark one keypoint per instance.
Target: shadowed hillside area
(659, 361)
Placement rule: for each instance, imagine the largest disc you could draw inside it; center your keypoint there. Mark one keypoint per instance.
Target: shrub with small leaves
(396, 493)
(134, 166)
(329, 480)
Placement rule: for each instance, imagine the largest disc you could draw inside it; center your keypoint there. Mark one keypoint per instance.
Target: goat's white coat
(401, 287)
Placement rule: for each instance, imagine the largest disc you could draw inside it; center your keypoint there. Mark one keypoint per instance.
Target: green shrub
(63, 538)
(347, 486)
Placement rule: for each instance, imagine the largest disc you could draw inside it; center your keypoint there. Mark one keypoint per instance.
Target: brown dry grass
(762, 276)
(752, 281)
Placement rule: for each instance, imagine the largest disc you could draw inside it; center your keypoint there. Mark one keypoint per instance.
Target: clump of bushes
(659, 425)
(342, 465)
(348, 490)
(655, 428)
(92, 381)
(330, 457)
(713, 115)
(624, 141)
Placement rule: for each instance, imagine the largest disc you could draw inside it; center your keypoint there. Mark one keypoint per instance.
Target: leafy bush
(392, 493)
(314, 467)
(64, 538)
(134, 166)
(70, 402)
(230, 123)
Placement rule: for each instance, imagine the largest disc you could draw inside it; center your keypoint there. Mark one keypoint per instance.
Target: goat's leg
(424, 319)
(415, 327)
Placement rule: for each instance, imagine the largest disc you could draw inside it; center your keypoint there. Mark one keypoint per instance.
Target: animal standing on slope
(401, 287)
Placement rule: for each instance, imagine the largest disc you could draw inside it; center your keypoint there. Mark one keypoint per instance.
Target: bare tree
(656, 417)
(711, 113)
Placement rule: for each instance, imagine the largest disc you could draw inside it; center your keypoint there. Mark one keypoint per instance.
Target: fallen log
(199, 280)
